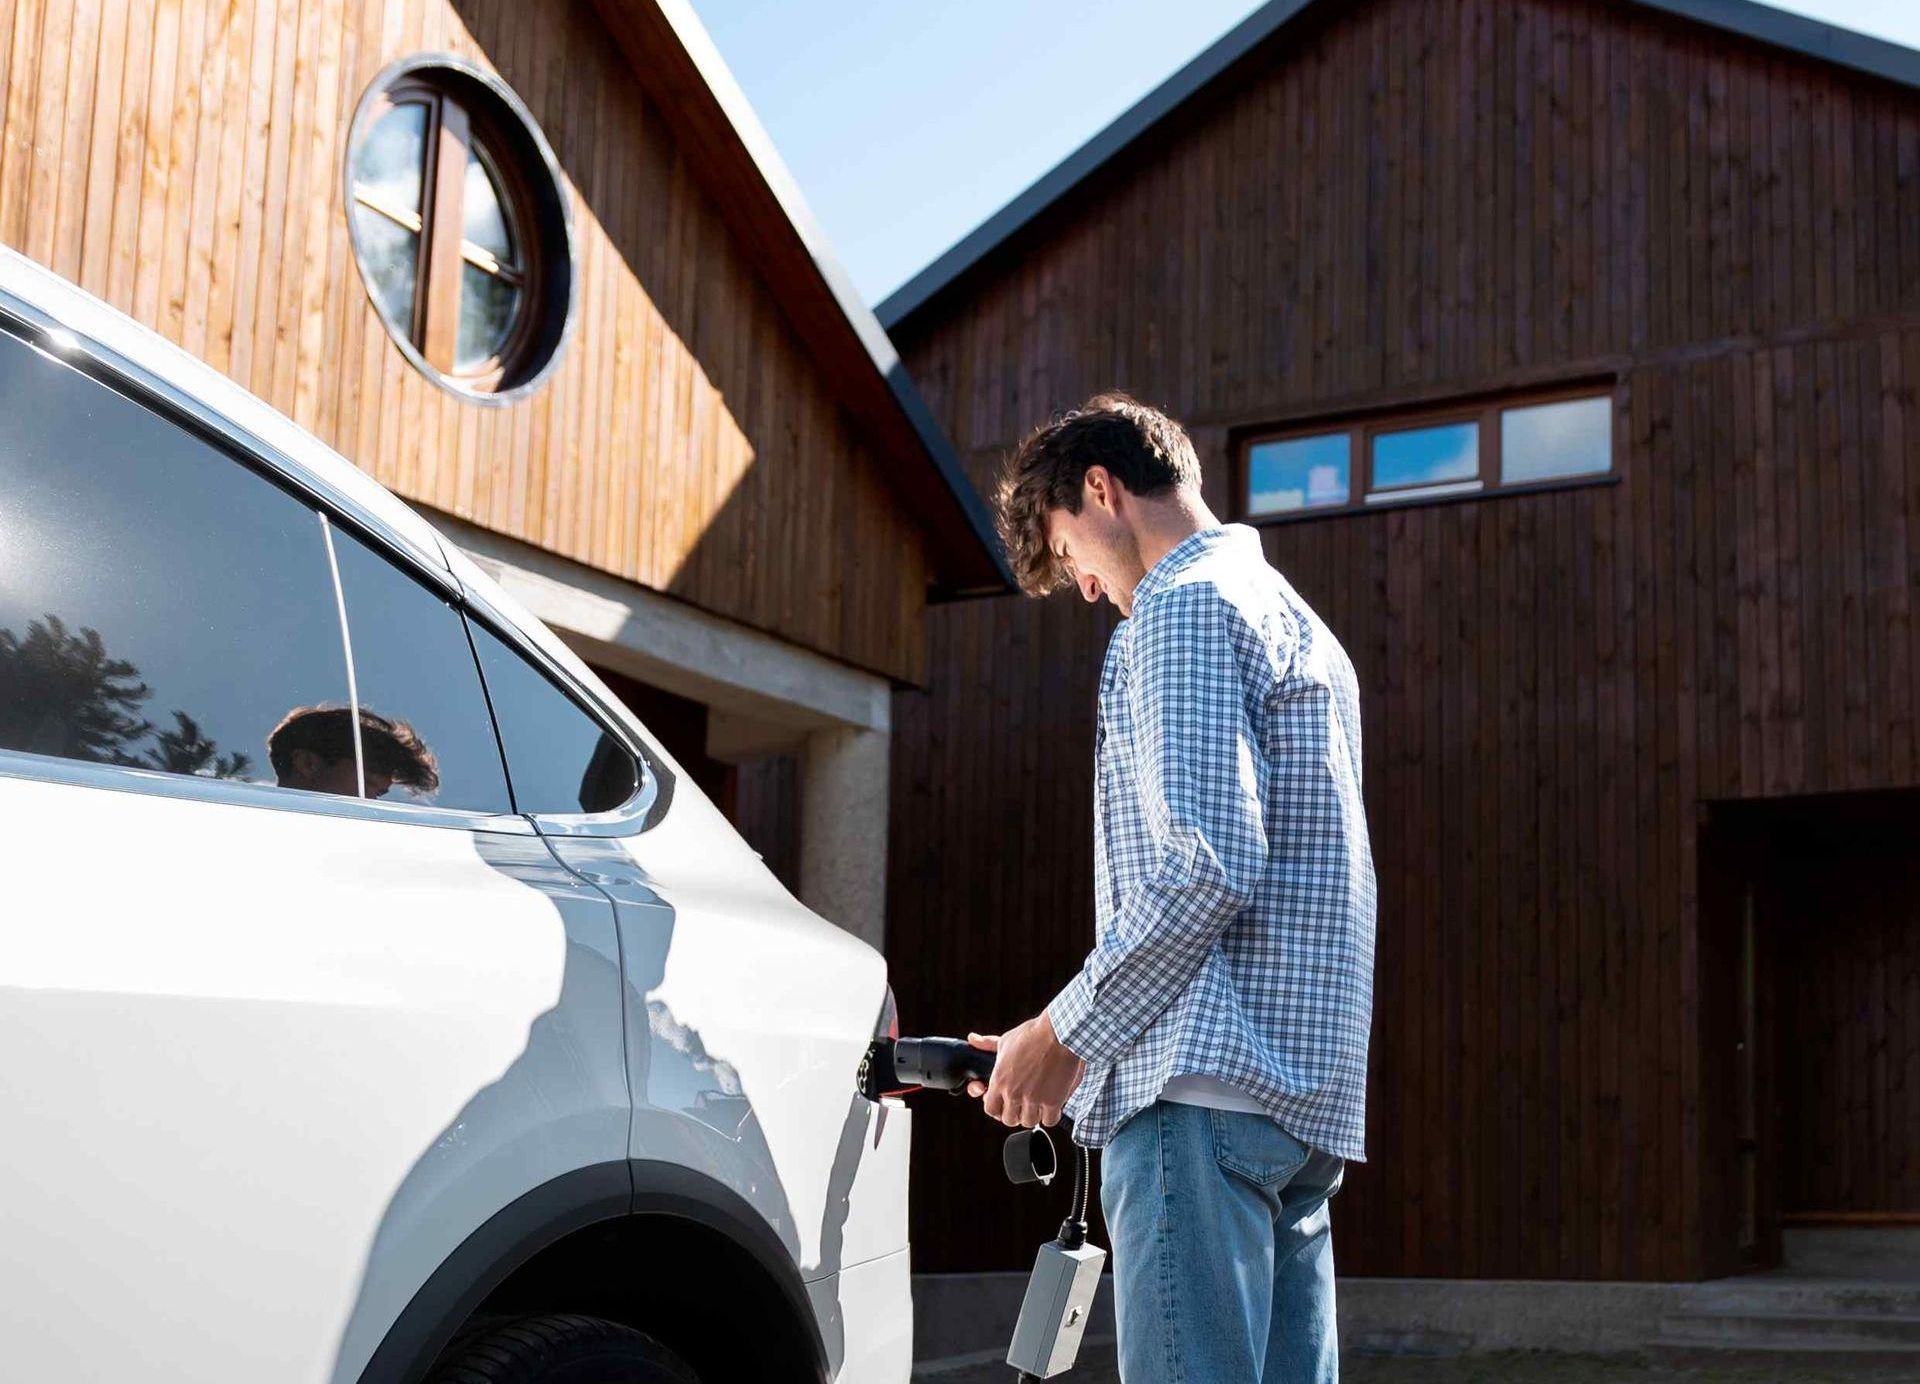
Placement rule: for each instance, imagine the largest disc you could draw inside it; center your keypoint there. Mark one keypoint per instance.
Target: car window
(559, 758)
(162, 606)
(425, 733)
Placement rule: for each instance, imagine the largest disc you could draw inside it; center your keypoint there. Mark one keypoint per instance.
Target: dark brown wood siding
(183, 160)
(1406, 202)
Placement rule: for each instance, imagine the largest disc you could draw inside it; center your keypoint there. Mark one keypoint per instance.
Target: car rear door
(272, 1047)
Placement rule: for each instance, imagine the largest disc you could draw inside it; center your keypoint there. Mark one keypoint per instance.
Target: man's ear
(1099, 487)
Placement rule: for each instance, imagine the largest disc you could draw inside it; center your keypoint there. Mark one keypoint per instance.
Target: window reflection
(559, 758)
(1426, 456)
(1298, 473)
(1541, 442)
(165, 607)
(312, 749)
(161, 605)
(414, 669)
(387, 173)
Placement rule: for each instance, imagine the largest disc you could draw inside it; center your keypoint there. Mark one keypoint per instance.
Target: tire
(562, 1350)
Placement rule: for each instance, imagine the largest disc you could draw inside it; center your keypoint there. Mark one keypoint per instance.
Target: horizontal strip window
(1432, 454)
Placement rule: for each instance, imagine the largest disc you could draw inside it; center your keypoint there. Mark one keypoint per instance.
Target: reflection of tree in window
(66, 696)
(186, 749)
(312, 749)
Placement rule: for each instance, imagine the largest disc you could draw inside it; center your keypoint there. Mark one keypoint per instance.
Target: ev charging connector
(1066, 1271)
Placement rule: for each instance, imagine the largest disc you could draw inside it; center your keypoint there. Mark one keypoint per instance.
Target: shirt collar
(1190, 550)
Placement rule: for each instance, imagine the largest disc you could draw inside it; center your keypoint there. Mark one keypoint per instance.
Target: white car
(377, 1001)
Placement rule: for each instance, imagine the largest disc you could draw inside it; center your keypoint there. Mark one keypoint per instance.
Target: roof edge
(732, 100)
(1747, 18)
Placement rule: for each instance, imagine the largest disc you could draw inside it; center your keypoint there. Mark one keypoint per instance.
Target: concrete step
(1853, 1251)
(1849, 1329)
(1769, 1294)
(1807, 1360)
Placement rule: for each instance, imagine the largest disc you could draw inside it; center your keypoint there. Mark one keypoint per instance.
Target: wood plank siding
(1412, 201)
(183, 160)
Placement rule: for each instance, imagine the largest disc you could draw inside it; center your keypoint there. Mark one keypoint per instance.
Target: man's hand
(1032, 1077)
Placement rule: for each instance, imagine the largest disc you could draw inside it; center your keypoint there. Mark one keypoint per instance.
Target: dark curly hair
(388, 745)
(1144, 449)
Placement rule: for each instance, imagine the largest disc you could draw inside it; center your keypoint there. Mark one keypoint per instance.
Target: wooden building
(1566, 353)
(537, 269)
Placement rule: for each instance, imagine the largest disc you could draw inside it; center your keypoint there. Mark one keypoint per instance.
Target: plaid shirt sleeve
(1199, 771)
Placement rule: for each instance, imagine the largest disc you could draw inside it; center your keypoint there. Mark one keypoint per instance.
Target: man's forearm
(1163, 937)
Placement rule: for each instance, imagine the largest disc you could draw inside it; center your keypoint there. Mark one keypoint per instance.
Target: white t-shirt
(1210, 1092)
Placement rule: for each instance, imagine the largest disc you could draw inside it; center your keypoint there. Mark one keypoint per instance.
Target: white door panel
(264, 1068)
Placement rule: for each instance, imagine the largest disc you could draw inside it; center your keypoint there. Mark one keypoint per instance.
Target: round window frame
(549, 250)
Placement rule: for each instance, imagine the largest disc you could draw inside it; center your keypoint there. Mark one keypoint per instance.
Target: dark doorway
(1810, 965)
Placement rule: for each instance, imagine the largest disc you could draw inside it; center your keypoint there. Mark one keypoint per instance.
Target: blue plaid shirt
(1234, 882)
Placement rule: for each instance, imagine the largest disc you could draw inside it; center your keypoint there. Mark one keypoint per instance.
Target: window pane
(160, 604)
(483, 215)
(487, 304)
(558, 758)
(388, 165)
(1546, 441)
(1299, 473)
(390, 255)
(1426, 456)
(425, 731)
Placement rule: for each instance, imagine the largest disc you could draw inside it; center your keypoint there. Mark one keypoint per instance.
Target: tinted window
(425, 733)
(559, 759)
(161, 605)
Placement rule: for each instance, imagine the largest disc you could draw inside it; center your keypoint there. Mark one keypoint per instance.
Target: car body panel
(279, 1059)
(260, 1113)
(869, 1309)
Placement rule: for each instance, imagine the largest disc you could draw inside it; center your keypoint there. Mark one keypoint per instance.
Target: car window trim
(123, 778)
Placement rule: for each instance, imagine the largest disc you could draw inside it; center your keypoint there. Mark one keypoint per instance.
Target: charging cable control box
(1054, 1315)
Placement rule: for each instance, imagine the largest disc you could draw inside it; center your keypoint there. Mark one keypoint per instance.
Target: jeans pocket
(1255, 1148)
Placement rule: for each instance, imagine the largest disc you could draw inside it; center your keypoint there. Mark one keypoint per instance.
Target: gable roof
(1746, 18)
(730, 152)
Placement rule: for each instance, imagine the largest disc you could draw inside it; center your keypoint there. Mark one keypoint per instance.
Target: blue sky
(908, 122)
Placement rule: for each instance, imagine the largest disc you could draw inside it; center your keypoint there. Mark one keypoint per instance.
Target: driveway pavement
(1097, 1367)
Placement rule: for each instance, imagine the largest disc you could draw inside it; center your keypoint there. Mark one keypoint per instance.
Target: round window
(460, 227)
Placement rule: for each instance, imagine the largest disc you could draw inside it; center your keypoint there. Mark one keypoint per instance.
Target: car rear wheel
(562, 1350)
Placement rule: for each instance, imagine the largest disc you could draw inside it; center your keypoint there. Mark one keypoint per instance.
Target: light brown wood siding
(183, 160)
(1407, 201)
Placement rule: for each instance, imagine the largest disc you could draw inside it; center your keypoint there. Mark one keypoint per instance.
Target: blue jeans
(1222, 1249)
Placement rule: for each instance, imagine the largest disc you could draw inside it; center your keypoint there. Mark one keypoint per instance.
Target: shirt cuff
(1071, 1014)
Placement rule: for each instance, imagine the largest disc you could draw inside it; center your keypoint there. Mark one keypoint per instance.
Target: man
(1215, 1040)
(312, 748)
